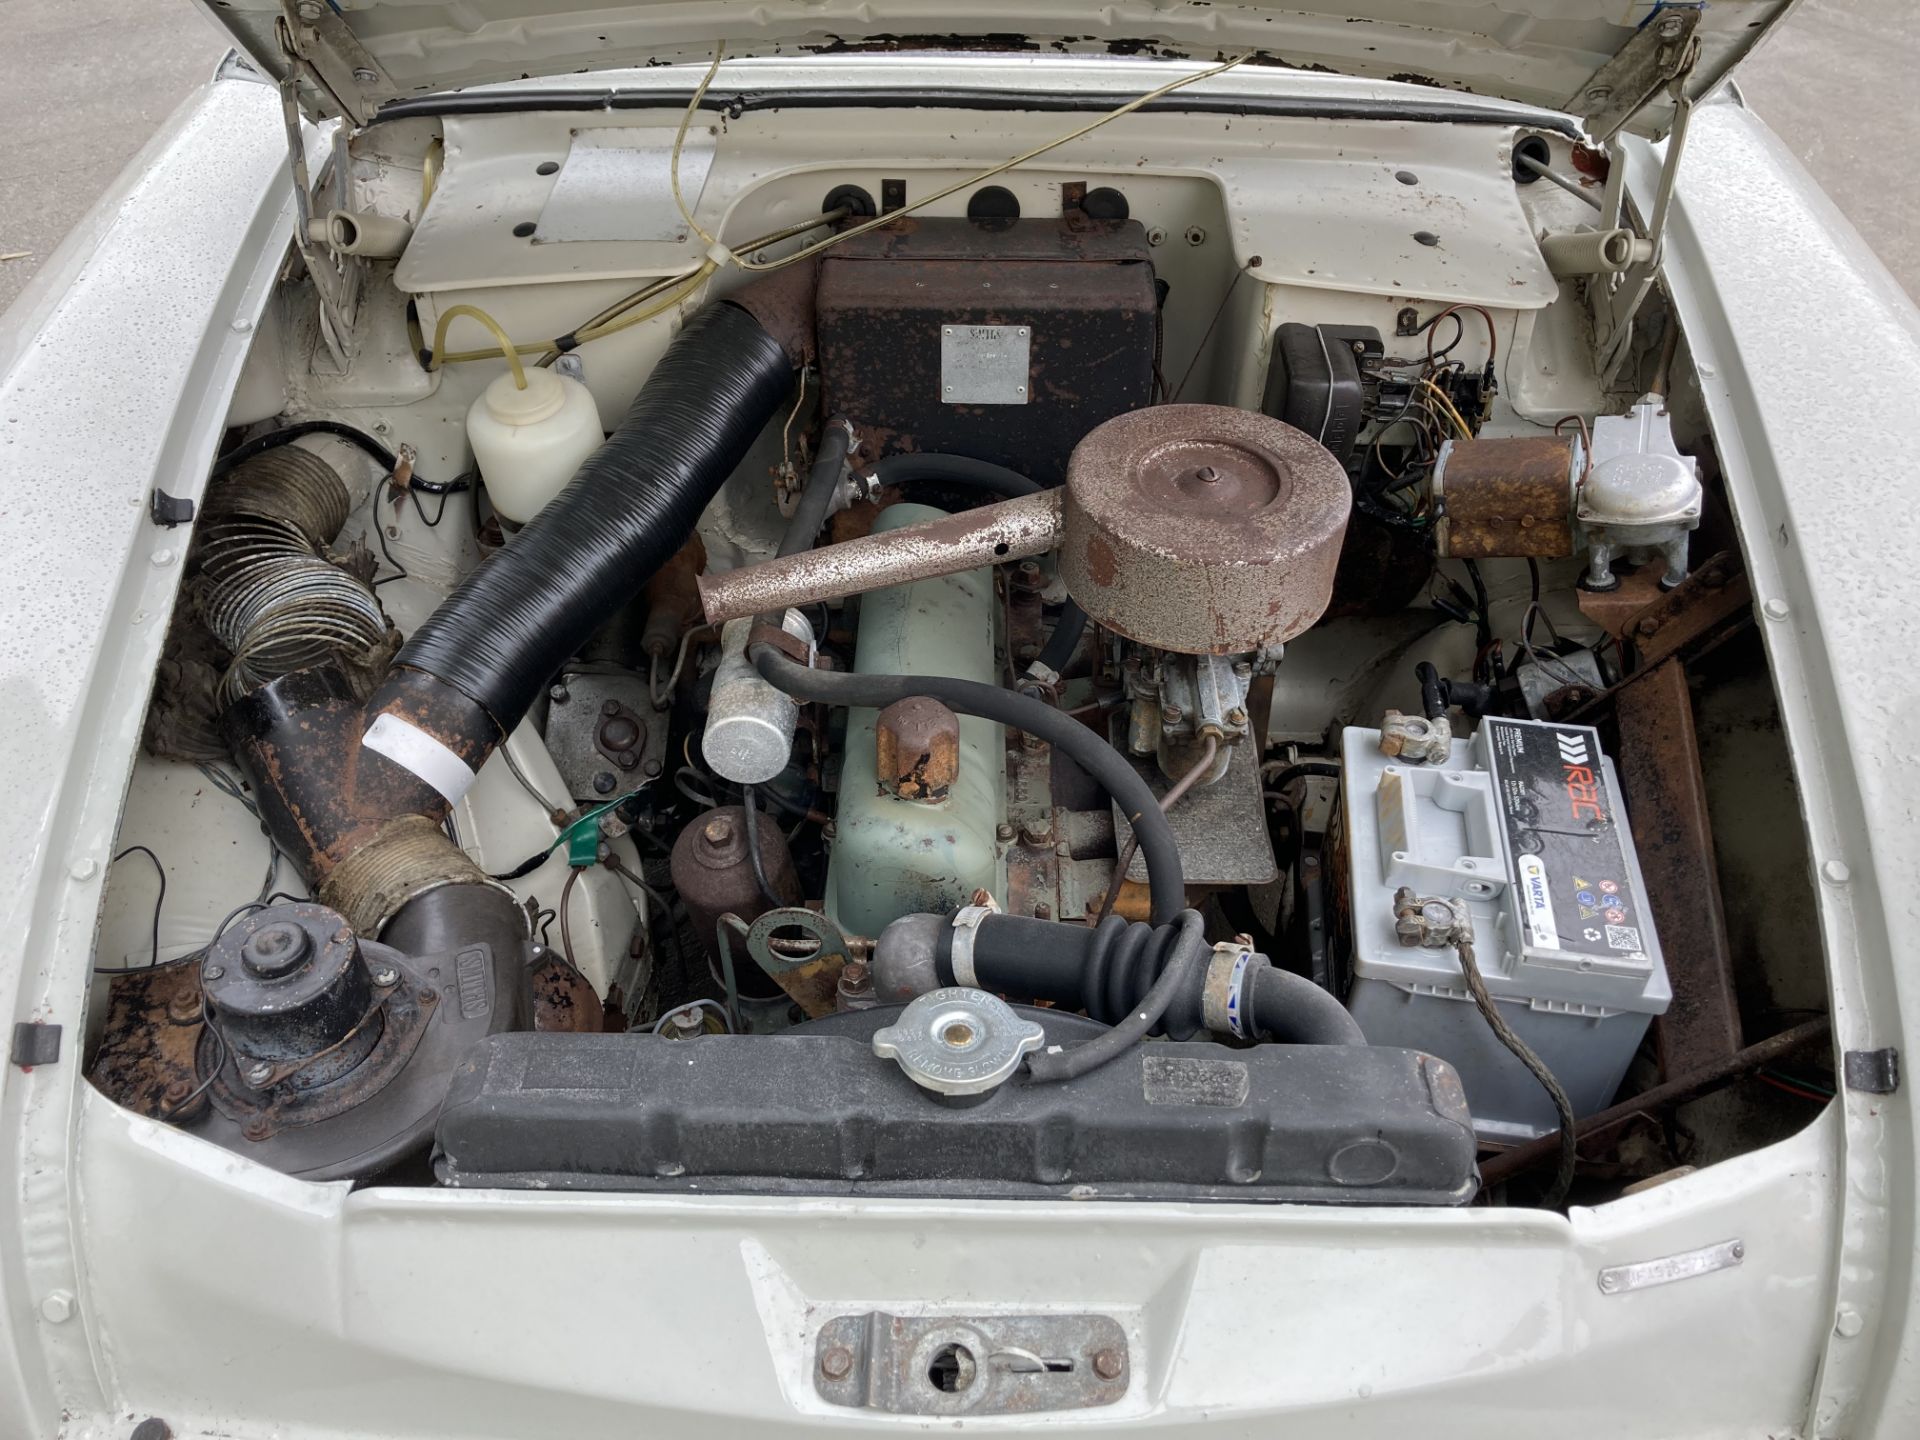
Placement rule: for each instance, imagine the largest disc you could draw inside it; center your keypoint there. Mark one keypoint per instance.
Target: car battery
(1524, 824)
(999, 340)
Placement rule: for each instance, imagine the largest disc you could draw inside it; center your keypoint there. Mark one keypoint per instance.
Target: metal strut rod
(1012, 530)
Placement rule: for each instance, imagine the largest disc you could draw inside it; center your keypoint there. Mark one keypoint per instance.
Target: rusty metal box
(1004, 341)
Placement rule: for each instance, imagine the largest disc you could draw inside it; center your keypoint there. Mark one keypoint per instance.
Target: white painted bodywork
(145, 1273)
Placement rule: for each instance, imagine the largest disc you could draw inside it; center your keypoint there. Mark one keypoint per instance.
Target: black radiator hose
(1166, 881)
(1110, 970)
(526, 608)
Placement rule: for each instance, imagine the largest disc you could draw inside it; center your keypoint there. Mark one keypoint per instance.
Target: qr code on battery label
(1623, 937)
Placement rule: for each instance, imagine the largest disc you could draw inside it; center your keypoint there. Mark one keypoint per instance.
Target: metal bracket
(1872, 1072)
(1661, 52)
(34, 1044)
(809, 974)
(316, 39)
(971, 1365)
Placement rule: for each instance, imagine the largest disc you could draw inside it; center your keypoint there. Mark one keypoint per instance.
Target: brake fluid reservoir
(894, 855)
(528, 443)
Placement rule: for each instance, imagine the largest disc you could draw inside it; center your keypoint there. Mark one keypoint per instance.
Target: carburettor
(1204, 538)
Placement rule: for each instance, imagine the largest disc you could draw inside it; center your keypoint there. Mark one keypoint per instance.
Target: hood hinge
(1661, 57)
(322, 49)
(337, 278)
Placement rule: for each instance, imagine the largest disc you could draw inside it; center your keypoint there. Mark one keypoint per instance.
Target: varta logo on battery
(1583, 786)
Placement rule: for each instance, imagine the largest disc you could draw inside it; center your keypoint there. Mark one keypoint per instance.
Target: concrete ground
(84, 83)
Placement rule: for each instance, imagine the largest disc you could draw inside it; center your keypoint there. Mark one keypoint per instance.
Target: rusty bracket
(1698, 615)
(806, 966)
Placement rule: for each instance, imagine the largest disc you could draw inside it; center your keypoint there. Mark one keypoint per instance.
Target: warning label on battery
(1564, 832)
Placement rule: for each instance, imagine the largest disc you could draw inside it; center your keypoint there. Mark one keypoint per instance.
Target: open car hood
(1610, 62)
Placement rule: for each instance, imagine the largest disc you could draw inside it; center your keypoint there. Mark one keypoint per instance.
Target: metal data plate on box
(984, 364)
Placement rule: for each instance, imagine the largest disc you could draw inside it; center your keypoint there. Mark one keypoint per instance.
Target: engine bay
(717, 659)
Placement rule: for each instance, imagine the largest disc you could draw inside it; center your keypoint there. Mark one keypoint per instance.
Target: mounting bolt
(213, 972)
(1171, 714)
(604, 782)
(836, 1362)
(56, 1308)
(557, 694)
(386, 975)
(310, 9)
(612, 707)
(1108, 1364)
(650, 769)
(1003, 833)
(259, 1074)
(1671, 27)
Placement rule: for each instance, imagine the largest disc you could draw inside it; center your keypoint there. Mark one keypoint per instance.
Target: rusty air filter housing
(1203, 529)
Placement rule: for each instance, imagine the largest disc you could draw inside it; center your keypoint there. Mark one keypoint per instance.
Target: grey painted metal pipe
(1012, 530)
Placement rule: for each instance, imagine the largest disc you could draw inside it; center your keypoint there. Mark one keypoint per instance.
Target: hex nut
(836, 1363)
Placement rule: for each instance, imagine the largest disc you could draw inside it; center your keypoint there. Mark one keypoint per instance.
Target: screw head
(836, 1362)
(557, 694)
(604, 782)
(1003, 833)
(1108, 1364)
(364, 75)
(386, 976)
(259, 1074)
(213, 972)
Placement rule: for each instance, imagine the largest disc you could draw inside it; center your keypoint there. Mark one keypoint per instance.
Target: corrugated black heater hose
(529, 606)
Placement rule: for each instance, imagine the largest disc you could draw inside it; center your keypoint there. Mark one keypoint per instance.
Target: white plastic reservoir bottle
(528, 443)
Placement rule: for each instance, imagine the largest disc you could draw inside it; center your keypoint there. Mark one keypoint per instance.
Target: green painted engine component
(894, 857)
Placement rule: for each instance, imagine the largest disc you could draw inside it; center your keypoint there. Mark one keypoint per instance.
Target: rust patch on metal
(1711, 602)
(783, 302)
(1616, 610)
(1083, 290)
(1659, 758)
(1510, 496)
(145, 1059)
(673, 598)
(917, 749)
(1103, 567)
(563, 998)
